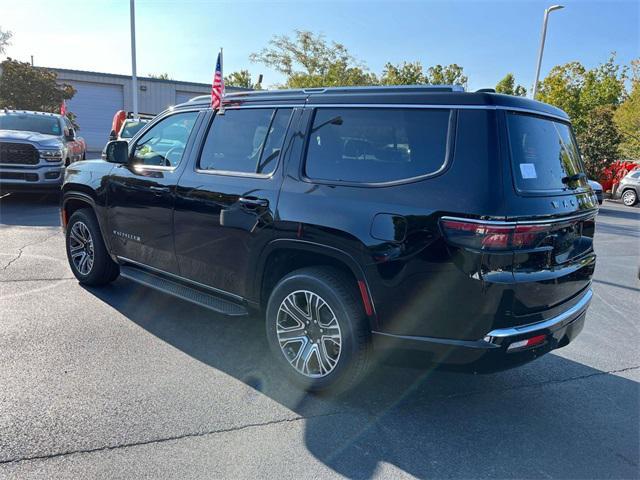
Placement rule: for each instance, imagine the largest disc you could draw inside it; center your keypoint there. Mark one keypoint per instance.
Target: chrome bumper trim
(557, 321)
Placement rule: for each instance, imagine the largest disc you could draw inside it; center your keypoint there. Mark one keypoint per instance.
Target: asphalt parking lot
(124, 382)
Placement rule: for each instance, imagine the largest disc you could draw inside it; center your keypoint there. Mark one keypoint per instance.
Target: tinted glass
(164, 144)
(273, 144)
(31, 123)
(543, 153)
(373, 145)
(245, 141)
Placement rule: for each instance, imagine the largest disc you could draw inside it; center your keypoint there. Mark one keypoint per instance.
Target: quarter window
(245, 140)
(375, 145)
(165, 142)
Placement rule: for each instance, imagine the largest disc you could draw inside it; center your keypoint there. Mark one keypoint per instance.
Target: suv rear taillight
(479, 235)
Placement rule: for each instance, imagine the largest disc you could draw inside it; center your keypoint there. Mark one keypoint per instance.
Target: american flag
(217, 89)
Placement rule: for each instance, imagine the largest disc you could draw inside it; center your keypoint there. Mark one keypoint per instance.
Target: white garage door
(182, 97)
(94, 105)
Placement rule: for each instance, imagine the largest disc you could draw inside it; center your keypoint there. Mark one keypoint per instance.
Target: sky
(488, 38)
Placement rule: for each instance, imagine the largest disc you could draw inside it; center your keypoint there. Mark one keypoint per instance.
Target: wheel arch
(76, 197)
(283, 256)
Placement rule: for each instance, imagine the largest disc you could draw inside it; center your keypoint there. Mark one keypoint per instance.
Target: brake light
(493, 236)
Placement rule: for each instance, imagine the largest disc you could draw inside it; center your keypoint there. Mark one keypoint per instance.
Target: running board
(180, 290)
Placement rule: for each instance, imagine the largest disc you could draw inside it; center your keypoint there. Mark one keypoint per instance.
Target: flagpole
(221, 109)
(134, 77)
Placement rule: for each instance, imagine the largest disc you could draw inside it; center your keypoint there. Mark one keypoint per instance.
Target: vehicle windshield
(30, 123)
(131, 127)
(544, 154)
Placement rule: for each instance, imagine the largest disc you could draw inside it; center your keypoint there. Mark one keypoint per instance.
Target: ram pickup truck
(35, 148)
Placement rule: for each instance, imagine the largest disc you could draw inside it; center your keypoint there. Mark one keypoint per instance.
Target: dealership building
(99, 95)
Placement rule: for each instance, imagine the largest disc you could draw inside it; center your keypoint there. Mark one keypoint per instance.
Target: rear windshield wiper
(573, 178)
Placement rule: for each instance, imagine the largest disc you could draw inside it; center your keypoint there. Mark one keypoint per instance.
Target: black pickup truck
(356, 220)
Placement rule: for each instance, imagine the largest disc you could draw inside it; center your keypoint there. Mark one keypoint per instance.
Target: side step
(180, 290)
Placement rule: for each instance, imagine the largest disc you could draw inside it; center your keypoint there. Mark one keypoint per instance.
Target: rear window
(544, 154)
(376, 145)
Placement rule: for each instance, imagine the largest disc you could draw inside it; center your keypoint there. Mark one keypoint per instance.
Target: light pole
(134, 78)
(544, 34)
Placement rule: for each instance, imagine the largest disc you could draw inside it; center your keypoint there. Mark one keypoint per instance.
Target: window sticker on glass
(528, 170)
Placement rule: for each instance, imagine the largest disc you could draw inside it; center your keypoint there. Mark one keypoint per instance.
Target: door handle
(253, 202)
(159, 189)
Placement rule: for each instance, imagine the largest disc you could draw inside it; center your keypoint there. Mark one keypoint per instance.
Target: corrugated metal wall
(90, 105)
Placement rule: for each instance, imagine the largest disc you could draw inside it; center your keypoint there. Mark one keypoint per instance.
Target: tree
(627, 117)
(446, 75)
(5, 40)
(242, 79)
(578, 91)
(160, 76)
(308, 60)
(24, 87)
(408, 73)
(508, 86)
(599, 141)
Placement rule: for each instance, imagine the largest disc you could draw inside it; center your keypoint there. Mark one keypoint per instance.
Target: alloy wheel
(309, 334)
(81, 248)
(629, 198)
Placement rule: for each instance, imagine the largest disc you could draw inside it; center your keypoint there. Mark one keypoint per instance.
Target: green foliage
(241, 79)
(5, 40)
(408, 73)
(160, 76)
(578, 91)
(599, 140)
(627, 117)
(24, 87)
(508, 86)
(308, 60)
(446, 75)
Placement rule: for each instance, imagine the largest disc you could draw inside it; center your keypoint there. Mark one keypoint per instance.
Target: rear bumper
(490, 353)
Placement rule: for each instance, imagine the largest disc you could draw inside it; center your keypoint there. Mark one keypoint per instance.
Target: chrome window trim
(178, 277)
(591, 213)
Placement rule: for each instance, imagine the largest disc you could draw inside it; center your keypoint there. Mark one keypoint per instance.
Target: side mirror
(117, 151)
(113, 135)
(71, 134)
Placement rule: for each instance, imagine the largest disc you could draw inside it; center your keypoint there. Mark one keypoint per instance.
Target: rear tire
(317, 329)
(87, 254)
(629, 198)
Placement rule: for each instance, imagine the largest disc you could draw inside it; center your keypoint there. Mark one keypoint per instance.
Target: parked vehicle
(629, 188)
(34, 149)
(422, 219)
(597, 189)
(125, 124)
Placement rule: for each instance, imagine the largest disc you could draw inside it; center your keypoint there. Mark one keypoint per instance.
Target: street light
(544, 34)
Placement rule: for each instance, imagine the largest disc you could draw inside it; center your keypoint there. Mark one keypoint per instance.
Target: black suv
(458, 225)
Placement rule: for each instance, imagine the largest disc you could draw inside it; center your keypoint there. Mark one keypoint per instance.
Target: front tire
(629, 198)
(317, 329)
(87, 254)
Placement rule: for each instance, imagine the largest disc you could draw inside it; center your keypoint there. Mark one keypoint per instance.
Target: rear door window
(245, 141)
(544, 154)
(376, 145)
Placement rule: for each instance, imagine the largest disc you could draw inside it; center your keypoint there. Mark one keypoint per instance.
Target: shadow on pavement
(629, 213)
(551, 418)
(30, 209)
